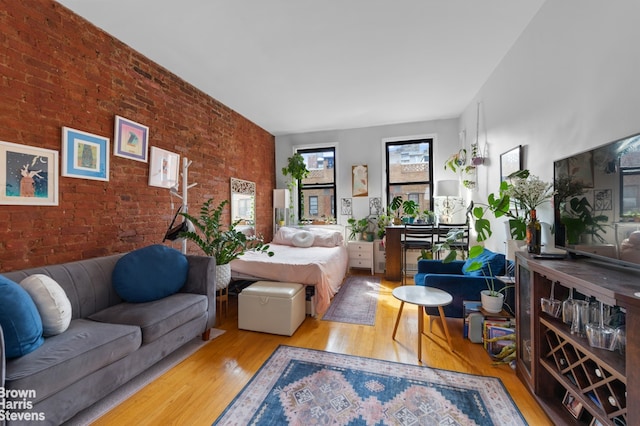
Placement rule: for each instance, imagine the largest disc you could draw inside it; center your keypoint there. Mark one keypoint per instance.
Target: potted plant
(518, 195)
(492, 299)
(426, 216)
(409, 208)
(394, 207)
(383, 221)
(224, 243)
(358, 228)
(297, 170)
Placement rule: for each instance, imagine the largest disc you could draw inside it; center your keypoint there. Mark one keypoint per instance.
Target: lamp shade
(447, 188)
(280, 198)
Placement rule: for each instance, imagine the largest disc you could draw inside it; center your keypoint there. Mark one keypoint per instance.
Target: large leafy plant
(224, 243)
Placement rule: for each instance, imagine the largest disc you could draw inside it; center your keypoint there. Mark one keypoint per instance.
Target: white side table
(361, 254)
(423, 296)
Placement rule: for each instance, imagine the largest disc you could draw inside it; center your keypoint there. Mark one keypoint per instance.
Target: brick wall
(56, 70)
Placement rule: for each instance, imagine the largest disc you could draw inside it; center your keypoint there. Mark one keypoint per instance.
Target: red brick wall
(56, 70)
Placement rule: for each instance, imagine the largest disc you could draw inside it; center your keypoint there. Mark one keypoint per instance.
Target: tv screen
(597, 204)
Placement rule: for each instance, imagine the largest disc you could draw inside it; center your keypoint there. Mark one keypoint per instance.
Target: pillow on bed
(326, 237)
(284, 236)
(302, 239)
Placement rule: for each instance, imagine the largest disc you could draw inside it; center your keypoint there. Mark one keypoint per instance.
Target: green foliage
(395, 205)
(410, 208)
(358, 226)
(581, 219)
(297, 169)
(214, 239)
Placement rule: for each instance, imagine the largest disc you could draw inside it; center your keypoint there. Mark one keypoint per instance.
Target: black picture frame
(510, 162)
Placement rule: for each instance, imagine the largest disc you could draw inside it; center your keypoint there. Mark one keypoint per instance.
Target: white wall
(365, 146)
(571, 82)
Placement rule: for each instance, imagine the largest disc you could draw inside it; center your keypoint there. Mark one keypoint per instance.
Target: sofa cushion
(20, 320)
(84, 348)
(155, 318)
(52, 302)
(150, 273)
(491, 264)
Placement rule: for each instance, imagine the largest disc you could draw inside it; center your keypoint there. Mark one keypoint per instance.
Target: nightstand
(361, 254)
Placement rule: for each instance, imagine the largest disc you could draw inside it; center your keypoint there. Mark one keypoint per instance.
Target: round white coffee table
(423, 296)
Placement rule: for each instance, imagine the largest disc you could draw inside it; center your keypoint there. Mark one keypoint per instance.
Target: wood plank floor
(196, 391)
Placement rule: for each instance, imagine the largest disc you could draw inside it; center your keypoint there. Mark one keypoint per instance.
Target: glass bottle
(534, 232)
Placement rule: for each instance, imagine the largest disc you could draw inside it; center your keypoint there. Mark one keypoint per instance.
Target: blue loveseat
(454, 278)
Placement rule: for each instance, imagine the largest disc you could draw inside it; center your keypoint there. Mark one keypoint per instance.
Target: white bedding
(323, 267)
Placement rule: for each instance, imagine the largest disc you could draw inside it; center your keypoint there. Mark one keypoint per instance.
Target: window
(313, 205)
(318, 190)
(630, 184)
(409, 171)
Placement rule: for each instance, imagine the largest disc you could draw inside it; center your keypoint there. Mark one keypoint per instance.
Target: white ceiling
(294, 66)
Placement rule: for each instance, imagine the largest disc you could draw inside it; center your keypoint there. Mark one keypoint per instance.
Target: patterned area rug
(304, 387)
(356, 302)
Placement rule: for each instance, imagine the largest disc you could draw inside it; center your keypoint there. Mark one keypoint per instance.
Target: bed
(309, 256)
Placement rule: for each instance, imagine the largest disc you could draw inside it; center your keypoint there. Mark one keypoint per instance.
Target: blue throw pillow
(20, 320)
(492, 264)
(150, 273)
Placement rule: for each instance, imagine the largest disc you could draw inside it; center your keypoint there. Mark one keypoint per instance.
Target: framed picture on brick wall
(84, 155)
(131, 140)
(28, 175)
(163, 168)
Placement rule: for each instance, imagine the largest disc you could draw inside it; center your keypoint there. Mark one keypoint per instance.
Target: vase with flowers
(519, 194)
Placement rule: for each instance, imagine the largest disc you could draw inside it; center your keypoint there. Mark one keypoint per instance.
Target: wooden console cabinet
(554, 363)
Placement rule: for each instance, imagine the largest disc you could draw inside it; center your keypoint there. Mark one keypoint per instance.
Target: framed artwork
(84, 155)
(131, 140)
(28, 176)
(375, 206)
(163, 168)
(581, 168)
(572, 405)
(360, 181)
(602, 199)
(346, 206)
(595, 422)
(510, 162)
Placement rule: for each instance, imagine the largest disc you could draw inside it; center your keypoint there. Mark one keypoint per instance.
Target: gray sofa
(94, 356)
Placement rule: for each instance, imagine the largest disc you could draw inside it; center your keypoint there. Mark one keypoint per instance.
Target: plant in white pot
(224, 243)
(492, 299)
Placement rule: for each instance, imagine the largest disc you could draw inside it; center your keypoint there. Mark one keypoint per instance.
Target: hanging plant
(297, 169)
(456, 161)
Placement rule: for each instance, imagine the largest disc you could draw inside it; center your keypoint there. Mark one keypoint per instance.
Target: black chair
(415, 237)
(455, 235)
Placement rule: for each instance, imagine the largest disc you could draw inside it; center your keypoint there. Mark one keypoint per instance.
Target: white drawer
(364, 255)
(361, 263)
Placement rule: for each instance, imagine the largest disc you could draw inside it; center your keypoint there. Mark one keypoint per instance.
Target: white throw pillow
(302, 239)
(52, 303)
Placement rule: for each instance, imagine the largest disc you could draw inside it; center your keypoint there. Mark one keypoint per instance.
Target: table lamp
(447, 197)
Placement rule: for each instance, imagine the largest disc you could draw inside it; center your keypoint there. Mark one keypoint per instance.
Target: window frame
(332, 186)
(409, 141)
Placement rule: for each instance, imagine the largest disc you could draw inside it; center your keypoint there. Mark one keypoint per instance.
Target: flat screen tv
(597, 204)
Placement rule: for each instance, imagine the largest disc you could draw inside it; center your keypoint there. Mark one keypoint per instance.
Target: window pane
(408, 162)
(320, 165)
(415, 192)
(318, 203)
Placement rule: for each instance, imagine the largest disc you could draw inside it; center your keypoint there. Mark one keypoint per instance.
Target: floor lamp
(447, 198)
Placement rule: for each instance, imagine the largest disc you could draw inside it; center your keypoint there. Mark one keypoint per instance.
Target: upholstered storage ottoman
(271, 307)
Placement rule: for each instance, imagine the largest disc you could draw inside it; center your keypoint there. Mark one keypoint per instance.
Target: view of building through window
(409, 172)
(318, 190)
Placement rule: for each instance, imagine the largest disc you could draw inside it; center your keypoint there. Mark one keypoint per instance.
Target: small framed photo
(163, 169)
(572, 405)
(131, 140)
(84, 155)
(510, 162)
(28, 176)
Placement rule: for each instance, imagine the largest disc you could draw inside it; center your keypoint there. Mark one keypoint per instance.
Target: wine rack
(575, 383)
(595, 379)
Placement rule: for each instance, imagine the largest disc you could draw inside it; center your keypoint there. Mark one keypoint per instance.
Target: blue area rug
(356, 302)
(304, 387)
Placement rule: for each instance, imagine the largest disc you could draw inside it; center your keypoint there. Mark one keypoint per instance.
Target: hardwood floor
(196, 391)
